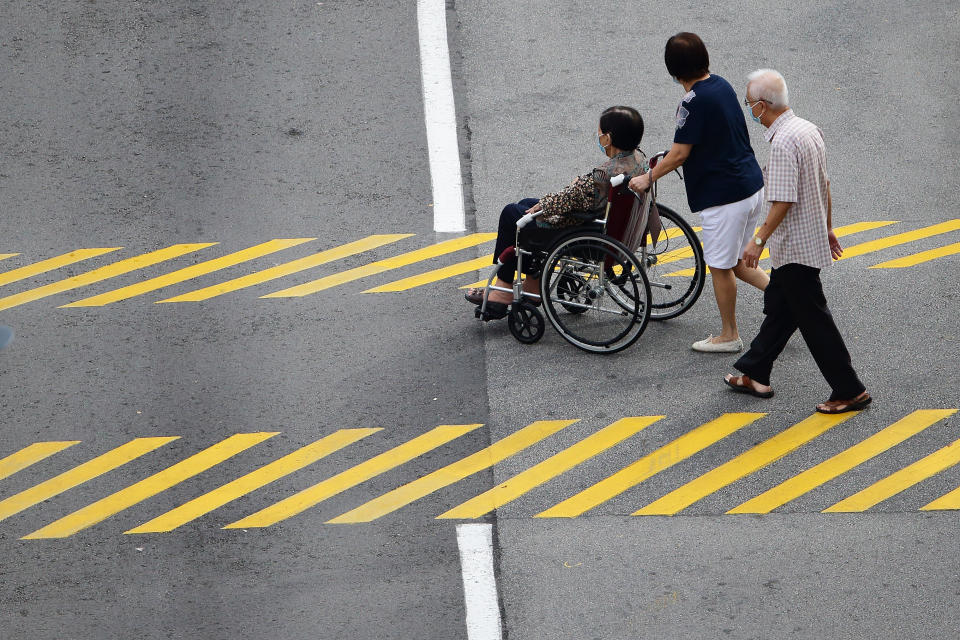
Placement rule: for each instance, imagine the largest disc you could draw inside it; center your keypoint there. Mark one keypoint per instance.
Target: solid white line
(479, 583)
(440, 115)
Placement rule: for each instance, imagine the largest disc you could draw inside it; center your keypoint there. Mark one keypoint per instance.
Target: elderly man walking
(799, 233)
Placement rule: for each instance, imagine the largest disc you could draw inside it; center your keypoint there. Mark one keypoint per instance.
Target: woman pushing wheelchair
(619, 133)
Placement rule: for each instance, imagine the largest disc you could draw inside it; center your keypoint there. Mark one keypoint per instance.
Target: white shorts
(728, 228)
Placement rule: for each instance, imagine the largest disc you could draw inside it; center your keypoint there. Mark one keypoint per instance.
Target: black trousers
(507, 236)
(794, 300)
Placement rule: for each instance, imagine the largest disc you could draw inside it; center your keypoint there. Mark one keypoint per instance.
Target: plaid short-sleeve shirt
(797, 172)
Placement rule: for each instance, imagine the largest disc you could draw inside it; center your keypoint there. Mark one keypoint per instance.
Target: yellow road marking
(4, 256)
(362, 472)
(30, 455)
(948, 501)
(380, 266)
(919, 258)
(845, 230)
(746, 463)
(157, 483)
(301, 264)
(663, 458)
(252, 481)
(839, 464)
(188, 273)
(435, 275)
(900, 238)
(103, 273)
(30, 270)
(82, 473)
(483, 459)
(899, 481)
(550, 468)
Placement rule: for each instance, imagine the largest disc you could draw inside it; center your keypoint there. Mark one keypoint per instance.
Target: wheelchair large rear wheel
(674, 265)
(595, 320)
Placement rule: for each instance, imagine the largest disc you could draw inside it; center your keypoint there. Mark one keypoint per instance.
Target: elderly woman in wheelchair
(573, 253)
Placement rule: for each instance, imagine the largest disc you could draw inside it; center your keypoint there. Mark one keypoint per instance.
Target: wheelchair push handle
(617, 180)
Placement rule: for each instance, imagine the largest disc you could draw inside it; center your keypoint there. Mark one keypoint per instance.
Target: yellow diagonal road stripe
(362, 472)
(30, 455)
(899, 481)
(483, 459)
(402, 260)
(840, 232)
(435, 275)
(550, 468)
(900, 238)
(30, 270)
(103, 273)
(252, 481)
(82, 473)
(188, 273)
(822, 473)
(157, 483)
(919, 258)
(949, 501)
(663, 458)
(4, 256)
(295, 266)
(746, 463)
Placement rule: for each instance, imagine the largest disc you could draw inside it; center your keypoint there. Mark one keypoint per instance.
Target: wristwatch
(757, 241)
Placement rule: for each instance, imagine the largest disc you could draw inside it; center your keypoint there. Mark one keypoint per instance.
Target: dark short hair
(686, 56)
(624, 125)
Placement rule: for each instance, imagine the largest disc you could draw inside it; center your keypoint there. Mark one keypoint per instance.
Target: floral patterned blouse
(586, 197)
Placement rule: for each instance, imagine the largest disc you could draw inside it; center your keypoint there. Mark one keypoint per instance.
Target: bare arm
(835, 249)
(675, 158)
(778, 211)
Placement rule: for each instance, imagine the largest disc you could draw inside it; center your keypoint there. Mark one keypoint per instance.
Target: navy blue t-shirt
(721, 167)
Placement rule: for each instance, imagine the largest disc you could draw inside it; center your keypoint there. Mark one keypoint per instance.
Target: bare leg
(501, 296)
(725, 290)
(751, 275)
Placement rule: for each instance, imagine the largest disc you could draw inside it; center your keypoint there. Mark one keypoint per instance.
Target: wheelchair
(602, 281)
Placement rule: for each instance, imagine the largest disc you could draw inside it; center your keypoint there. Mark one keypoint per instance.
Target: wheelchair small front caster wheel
(525, 322)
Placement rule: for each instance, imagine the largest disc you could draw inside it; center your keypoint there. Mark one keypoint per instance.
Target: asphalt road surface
(266, 452)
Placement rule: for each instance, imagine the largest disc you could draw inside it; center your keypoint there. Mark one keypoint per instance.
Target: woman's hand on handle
(534, 208)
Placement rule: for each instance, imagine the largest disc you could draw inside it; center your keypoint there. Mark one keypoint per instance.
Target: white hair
(769, 86)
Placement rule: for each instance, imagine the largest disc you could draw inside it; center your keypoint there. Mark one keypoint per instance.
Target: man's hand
(835, 249)
(751, 255)
(534, 208)
(640, 183)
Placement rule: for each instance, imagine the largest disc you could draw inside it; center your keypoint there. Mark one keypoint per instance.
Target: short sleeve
(783, 173)
(690, 120)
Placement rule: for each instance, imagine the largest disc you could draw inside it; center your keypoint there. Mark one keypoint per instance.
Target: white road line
(479, 583)
(441, 118)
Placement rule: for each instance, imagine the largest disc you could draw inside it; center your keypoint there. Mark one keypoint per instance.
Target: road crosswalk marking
(432, 251)
(103, 273)
(30, 455)
(919, 258)
(43, 266)
(188, 273)
(483, 459)
(744, 464)
(839, 464)
(403, 284)
(899, 481)
(524, 482)
(82, 473)
(553, 466)
(278, 271)
(653, 463)
(157, 483)
(252, 481)
(312, 496)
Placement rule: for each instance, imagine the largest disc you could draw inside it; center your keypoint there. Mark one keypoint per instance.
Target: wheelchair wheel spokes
(674, 265)
(576, 288)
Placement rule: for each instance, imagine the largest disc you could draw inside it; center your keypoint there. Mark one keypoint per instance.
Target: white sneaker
(706, 345)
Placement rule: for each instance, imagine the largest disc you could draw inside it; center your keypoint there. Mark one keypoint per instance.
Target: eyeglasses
(749, 103)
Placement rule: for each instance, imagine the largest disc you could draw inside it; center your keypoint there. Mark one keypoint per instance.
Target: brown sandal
(742, 384)
(843, 406)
